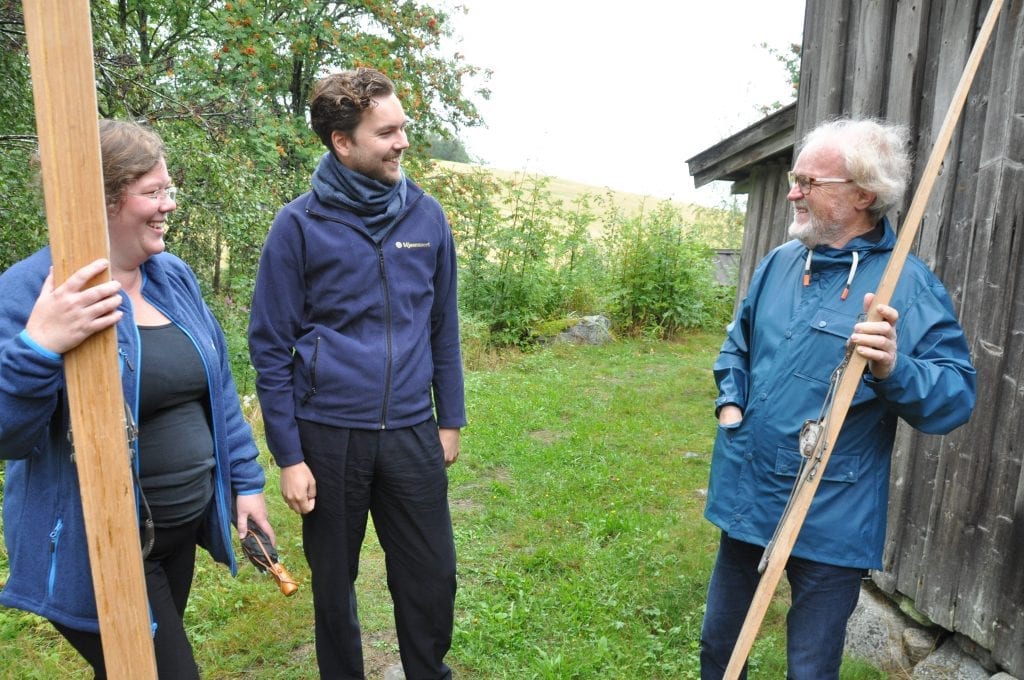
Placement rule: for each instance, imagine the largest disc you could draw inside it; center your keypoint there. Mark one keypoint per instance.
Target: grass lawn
(582, 550)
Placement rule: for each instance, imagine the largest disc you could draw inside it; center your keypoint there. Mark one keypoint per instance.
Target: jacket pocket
(841, 467)
(830, 331)
(311, 370)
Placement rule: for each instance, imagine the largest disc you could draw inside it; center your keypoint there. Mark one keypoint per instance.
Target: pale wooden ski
(59, 36)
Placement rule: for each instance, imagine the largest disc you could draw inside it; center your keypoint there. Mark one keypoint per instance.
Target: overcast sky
(621, 94)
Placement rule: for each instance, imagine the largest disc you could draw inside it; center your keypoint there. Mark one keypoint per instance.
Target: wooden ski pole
(807, 484)
(59, 36)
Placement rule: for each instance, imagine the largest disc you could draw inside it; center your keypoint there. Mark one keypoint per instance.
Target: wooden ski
(59, 36)
(807, 484)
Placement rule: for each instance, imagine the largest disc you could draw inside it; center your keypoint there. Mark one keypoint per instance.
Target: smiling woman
(194, 456)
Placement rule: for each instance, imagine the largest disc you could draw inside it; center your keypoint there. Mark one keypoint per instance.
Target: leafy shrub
(662, 278)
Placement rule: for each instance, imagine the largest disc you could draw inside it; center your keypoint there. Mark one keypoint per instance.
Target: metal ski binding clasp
(810, 433)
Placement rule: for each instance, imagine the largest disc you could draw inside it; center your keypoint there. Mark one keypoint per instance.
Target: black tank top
(175, 442)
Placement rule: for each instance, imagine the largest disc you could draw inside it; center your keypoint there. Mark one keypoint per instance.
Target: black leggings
(169, 569)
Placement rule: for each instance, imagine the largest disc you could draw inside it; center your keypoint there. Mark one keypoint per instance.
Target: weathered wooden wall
(956, 521)
(958, 550)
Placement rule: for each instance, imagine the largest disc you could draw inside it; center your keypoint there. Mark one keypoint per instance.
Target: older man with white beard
(802, 310)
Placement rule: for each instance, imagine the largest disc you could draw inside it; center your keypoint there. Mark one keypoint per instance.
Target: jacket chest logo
(412, 244)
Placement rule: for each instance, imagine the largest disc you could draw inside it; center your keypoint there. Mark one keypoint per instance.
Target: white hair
(875, 154)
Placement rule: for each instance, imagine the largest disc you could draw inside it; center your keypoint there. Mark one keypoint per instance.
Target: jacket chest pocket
(828, 332)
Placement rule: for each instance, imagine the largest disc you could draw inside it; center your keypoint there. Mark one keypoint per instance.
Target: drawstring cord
(849, 278)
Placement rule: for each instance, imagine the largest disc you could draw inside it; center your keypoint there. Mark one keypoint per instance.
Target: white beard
(814, 232)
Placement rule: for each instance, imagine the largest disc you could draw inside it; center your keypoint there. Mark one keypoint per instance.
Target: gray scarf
(379, 204)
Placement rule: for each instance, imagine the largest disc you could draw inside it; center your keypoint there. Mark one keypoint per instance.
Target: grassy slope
(568, 191)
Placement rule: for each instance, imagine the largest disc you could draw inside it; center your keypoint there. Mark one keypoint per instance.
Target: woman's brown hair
(129, 151)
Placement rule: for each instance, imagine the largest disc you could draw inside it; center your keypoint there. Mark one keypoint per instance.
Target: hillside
(568, 191)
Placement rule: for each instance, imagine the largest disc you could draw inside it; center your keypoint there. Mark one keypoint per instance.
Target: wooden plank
(66, 121)
(903, 98)
(988, 486)
(970, 248)
(747, 147)
(954, 243)
(1004, 139)
(823, 71)
(872, 41)
(969, 579)
(736, 168)
(955, 33)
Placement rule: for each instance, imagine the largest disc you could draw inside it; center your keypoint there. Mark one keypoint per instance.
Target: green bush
(521, 255)
(662, 278)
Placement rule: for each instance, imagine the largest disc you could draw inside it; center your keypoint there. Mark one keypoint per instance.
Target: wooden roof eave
(732, 158)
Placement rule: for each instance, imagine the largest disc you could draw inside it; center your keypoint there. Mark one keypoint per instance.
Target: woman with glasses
(195, 457)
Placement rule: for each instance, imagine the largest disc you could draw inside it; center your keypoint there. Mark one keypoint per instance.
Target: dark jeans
(398, 477)
(824, 597)
(168, 569)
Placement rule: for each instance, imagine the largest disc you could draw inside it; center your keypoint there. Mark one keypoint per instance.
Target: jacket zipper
(54, 540)
(387, 307)
(125, 359)
(387, 338)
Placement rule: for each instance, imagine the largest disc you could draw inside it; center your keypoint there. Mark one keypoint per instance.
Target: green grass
(577, 508)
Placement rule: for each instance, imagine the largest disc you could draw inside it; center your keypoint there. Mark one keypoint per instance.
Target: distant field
(568, 191)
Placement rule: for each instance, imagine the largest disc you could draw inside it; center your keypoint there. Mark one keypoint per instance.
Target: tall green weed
(661, 276)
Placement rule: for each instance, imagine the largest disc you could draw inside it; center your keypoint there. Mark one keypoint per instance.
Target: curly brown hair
(339, 100)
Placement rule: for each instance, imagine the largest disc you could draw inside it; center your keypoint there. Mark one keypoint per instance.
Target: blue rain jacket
(350, 333)
(42, 508)
(775, 365)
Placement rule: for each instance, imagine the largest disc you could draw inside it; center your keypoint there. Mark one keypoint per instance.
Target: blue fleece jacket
(42, 510)
(352, 333)
(775, 365)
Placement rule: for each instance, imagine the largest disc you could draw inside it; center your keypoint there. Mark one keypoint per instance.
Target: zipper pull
(125, 359)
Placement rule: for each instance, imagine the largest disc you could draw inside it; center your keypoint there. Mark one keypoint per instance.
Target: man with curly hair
(354, 335)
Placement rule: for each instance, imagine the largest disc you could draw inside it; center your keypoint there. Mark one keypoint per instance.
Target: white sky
(621, 94)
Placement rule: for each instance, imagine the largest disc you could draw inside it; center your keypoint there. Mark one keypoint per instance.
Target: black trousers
(398, 477)
(169, 569)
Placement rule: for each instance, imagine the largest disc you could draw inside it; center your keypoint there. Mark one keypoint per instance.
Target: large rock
(919, 643)
(589, 330)
(949, 662)
(875, 631)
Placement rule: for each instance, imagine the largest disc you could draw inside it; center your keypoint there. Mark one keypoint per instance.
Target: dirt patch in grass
(380, 652)
(546, 436)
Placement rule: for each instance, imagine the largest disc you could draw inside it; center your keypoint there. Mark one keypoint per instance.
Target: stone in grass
(589, 330)
(394, 672)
